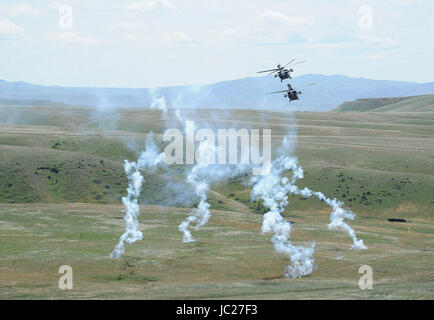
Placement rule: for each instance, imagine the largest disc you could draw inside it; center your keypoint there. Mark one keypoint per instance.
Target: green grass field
(61, 181)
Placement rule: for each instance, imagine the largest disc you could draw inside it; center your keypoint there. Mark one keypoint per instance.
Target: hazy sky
(149, 43)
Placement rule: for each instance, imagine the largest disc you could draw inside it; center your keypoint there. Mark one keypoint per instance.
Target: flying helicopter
(291, 93)
(282, 72)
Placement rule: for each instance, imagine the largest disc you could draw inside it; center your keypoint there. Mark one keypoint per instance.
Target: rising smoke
(200, 177)
(160, 104)
(274, 189)
(201, 214)
(149, 159)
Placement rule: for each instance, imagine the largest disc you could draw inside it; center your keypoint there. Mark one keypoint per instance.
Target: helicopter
(282, 72)
(291, 93)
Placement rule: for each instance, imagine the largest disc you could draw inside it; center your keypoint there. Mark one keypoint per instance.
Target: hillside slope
(424, 103)
(371, 161)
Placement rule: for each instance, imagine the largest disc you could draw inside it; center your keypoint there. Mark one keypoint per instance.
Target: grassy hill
(423, 103)
(75, 154)
(61, 180)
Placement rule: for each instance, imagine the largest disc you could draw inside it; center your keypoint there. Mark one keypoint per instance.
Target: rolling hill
(424, 103)
(62, 179)
(70, 154)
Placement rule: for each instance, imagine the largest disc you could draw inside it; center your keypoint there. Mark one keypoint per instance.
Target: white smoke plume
(337, 217)
(200, 177)
(201, 214)
(160, 104)
(131, 209)
(179, 115)
(149, 158)
(273, 189)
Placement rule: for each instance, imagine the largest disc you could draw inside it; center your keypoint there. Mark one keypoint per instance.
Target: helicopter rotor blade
(300, 62)
(289, 63)
(308, 85)
(277, 92)
(267, 70)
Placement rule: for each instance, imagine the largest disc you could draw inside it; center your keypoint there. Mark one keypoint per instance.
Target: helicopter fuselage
(292, 95)
(283, 74)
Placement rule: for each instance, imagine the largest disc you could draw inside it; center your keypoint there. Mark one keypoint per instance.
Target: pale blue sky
(149, 43)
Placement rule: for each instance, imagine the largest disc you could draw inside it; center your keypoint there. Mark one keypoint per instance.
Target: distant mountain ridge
(247, 93)
(27, 102)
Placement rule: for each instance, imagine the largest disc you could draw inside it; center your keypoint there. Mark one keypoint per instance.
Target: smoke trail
(203, 173)
(132, 232)
(178, 115)
(201, 214)
(338, 215)
(160, 104)
(149, 158)
(273, 189)
(195, 177)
